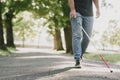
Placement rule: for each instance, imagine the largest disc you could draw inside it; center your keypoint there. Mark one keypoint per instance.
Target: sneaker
(77, 65)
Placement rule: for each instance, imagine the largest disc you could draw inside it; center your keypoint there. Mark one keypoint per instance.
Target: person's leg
(87, 25)
(76, 36)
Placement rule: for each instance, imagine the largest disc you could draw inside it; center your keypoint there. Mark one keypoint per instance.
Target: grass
(109, 57)
(11, 49)
(115, 57)
(6, 52)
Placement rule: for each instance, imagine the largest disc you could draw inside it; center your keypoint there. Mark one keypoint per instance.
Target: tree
(12, 8)
(2, 44)
(111, 35)
(115, 37)
(54, 30)
(23, 27)
(104, 40)
(67, 27)
(9, 30)
(58, 17)
(53, 19)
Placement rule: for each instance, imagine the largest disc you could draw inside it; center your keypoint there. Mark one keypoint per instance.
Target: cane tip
(111, 71)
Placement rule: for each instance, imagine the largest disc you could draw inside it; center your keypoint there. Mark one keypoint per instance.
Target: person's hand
(97, 14)
(73, 14)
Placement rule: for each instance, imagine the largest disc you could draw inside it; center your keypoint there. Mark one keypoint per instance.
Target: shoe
(77, 65)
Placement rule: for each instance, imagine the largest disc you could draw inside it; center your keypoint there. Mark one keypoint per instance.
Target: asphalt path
(46, 64)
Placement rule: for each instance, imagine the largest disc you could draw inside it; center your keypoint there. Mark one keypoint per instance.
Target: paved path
(43, 64)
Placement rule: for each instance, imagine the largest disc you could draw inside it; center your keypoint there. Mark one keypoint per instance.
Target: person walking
(81, 15)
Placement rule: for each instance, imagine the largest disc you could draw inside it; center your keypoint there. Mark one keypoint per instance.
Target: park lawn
(115, 57)
(6, 52)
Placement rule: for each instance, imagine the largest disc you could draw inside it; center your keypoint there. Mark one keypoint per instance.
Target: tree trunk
(57, 36)
(2, 44)
(68, 39)
(9, 30)
(57, 40)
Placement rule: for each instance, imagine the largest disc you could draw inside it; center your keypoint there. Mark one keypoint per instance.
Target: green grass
(11, 49)
(115, 57)
(6, 52)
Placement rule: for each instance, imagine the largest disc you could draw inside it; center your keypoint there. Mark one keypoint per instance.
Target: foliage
(54, 15)
(58, 15)
(23, 26)
(65, 9)
(111, 35)
(15, 6)
(115, 37)
(104, 38)
(40, 8)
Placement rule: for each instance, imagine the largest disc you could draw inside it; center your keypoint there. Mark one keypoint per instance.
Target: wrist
(73, 10)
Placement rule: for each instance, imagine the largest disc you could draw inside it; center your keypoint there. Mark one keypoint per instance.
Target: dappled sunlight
(40, 31)
(92, 64)
(35, 57)
(34, 50)
(98, 69)
(86, 68)
(46, 53)
(56, 74)
(63, 72)
(63, 64)
(31, 63)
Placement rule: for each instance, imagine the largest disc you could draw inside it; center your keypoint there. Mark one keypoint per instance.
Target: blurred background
(45, 24)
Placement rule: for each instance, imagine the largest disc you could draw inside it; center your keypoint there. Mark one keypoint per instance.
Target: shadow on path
(36, 65)
(39, 75)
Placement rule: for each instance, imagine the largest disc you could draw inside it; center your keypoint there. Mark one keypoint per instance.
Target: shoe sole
(78, 66)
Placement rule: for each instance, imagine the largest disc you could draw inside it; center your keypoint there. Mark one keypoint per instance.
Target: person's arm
(72, 8)
(96, 2)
